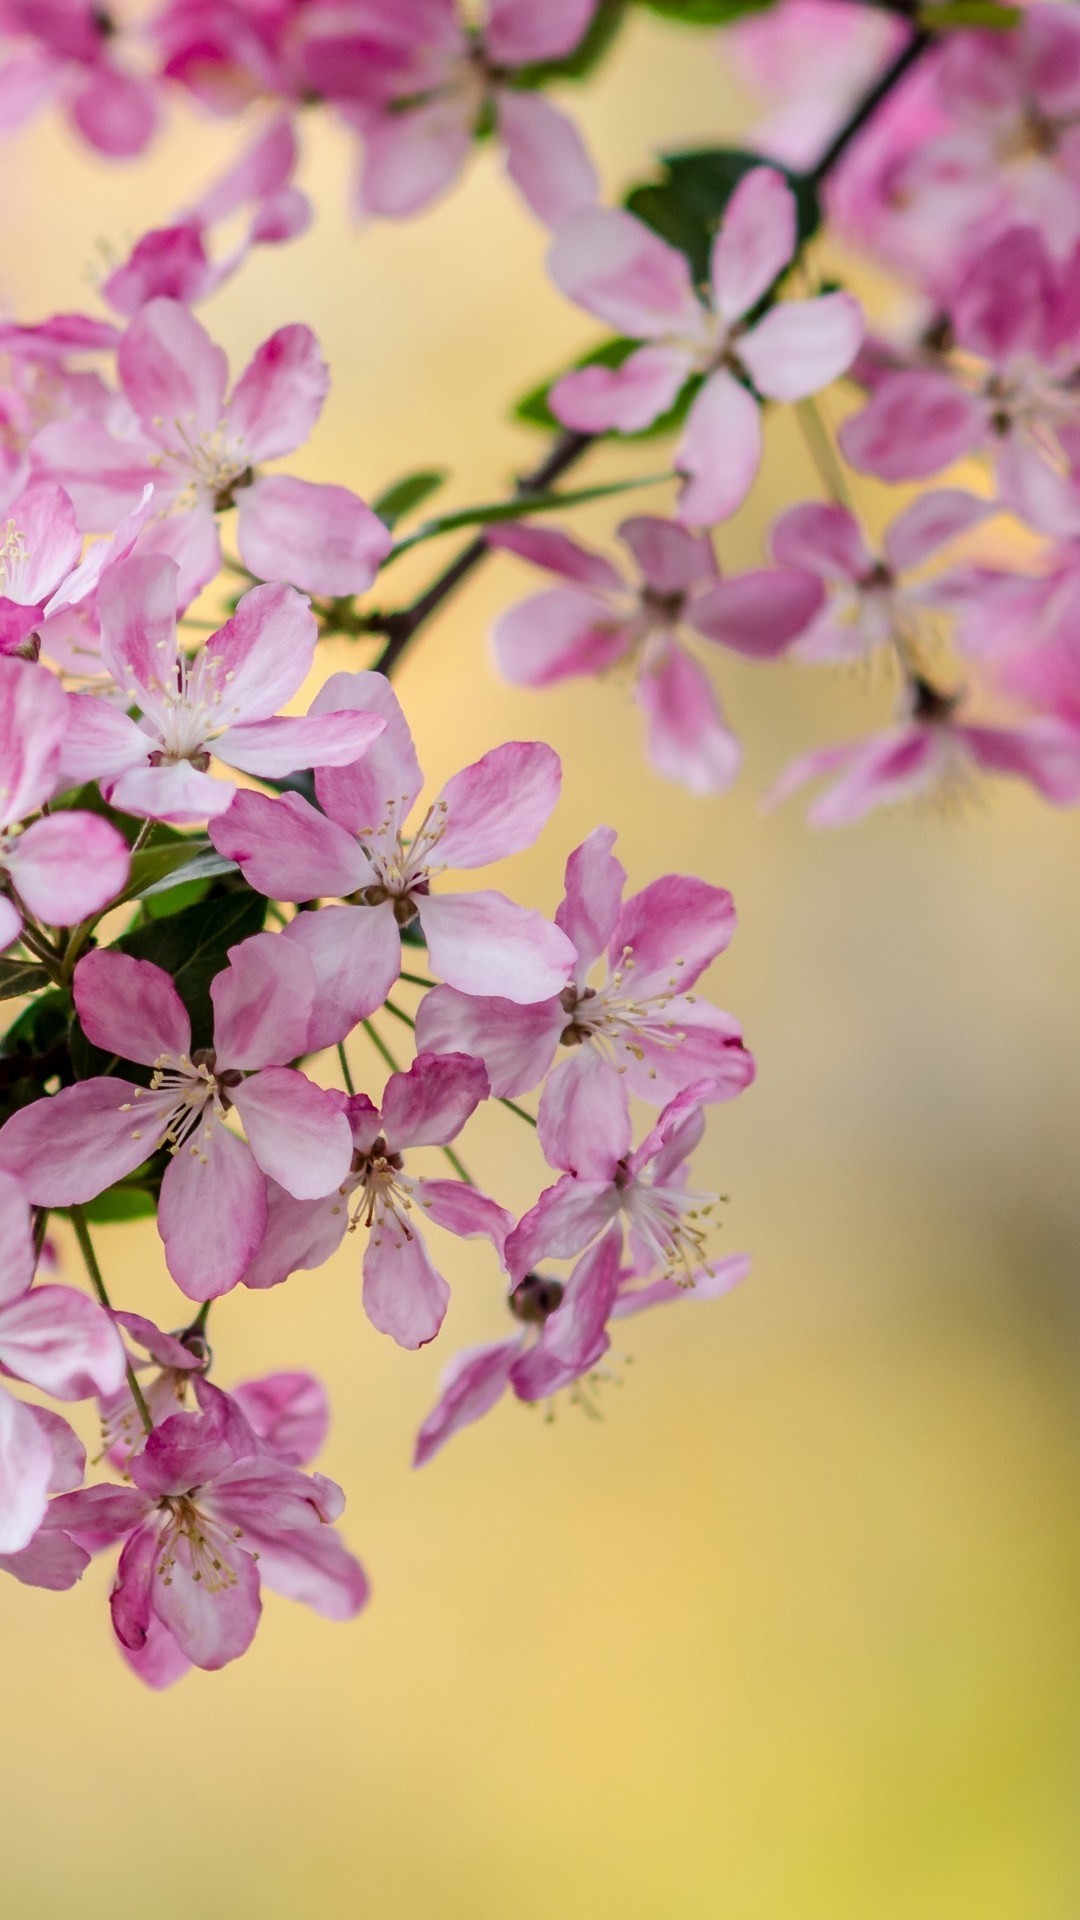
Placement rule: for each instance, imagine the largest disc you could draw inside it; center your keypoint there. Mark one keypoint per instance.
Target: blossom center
(190, 709)
(401, 865)
(384, 1192)
(671, 1222)
(207, 1543)
(612, 1018)
(186, 1099)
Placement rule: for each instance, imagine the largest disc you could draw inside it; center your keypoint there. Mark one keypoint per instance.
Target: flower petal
(913, 425)
(670, 932)
(63, 1343)
(300, 1234)
(557, 552)
(262, 1003)
(756, 241)
(211, 1215)
(516, 1043)
(686, 738)
(25, 1471)
(313, 1566)
(287, 849)
(822, 538)
(17, 1257)
(33, 715)
(475, 1379)
(130, 1007)
(323, 539)
(564, 1220)
(297, 1133)
(758, 614)
(211, 1621)
(404, 1296)
(554, 635)
(265, 653)
(930, 522)
(460, 1209)
(289, 1412)
(429, 1105)
(69, 866)
(412, 157)
(589, 908)
(137, 613)
(483, 943)
(803, 345)
(67, 1149)
(671, 558)
(546, 157)
(272, 749)
(584, 1122)
(278, 397)
(499, 805)
(627, 398)
(355, 956)
(359, 795)
(173, 374)
(619, 269)
(720, 451)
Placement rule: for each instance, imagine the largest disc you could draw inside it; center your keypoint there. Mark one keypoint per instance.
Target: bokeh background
(790, 1634)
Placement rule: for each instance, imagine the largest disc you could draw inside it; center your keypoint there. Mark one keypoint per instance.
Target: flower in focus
(177, 430)
(641, 1020)
(360, 847)
(219, 703)
(212, 1213)
(404, 1295)
(211, 1517)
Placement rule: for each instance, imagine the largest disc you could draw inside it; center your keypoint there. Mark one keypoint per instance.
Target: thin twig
(86, 1248)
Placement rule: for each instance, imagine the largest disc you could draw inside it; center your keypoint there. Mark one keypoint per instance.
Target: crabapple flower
(608, 1180)
(73, 51)
(936, 750)
(200, 449)
(813, 60)
(600, 622)
(69, 865)
(444, 82)
(404, 1294)
(641, 1020)
(1019, 315)
(213, 1209)
(358, 847)
(173, 263)
(624, 273)
(870, 605)
(209, 1519)
(39, 547)
(220, 702)
(564, 1337)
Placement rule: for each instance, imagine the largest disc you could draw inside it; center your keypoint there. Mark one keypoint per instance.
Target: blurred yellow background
(792, 1634)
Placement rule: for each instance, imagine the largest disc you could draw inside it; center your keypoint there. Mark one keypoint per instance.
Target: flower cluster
(208, 898)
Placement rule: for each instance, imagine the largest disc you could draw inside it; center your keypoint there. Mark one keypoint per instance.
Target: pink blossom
(983, 136)
(173, 262)
(67, 866)
(608, 1180)
(620, 270)
(221, 702)
(813, 60)
(71, 49)
(213, 1209)
(936, 750)
(200, 450)
(404, 1294)
(564, 1339)
(443, 81)
(642, 1020)
(870, 604)
(52, 1338)
(600, 621)
(211, 1517)
(1019, 315)
(360, 848)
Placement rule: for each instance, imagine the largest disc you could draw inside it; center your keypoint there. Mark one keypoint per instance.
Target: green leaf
(605, 24)
(206, 863)
(151, 866)
(406, 495)
(39, 1026)
(118, 1204)
(535, 409)
(969, 13)
(686, 205)
(20, 976)
(518, 508)
(706, 13)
